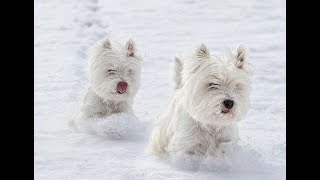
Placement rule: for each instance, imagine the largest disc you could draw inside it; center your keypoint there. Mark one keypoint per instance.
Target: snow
(116, 126)
(64, 32)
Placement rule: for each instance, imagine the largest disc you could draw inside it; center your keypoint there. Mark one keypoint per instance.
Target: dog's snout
(228, 103)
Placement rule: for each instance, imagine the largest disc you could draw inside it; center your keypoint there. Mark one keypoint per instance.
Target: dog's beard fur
(196, 121)
(110, 64)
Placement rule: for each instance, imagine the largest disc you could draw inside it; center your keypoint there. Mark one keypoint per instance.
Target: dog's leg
(186, 144)
(227, 137)
(157, 143)
(186, 139)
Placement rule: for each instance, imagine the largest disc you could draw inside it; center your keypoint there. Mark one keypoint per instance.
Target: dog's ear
(131, 48)
(241, 56)
(106, 44)
(202, 51)
(178, 66)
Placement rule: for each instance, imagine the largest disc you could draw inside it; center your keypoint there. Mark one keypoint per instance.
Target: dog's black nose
(228, 103)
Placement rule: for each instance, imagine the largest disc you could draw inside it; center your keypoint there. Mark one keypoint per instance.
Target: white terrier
(114, 80)
(211, 96)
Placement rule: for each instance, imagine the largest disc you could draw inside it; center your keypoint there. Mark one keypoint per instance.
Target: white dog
(113, 81)
(211, 96)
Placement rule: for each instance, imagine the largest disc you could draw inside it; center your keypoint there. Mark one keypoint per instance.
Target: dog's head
(115, 70)
(217, 89)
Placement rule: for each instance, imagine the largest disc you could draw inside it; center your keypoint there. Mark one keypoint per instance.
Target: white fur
(177, 72)
(110, 64)
(193, 122)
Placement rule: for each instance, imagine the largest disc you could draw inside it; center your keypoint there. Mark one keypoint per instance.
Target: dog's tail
(177, 72)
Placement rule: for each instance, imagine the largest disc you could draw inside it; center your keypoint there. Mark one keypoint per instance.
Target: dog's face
(217, 89)
(115, 70)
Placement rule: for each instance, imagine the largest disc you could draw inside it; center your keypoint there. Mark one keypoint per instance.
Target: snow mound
(239, 158)
(116, 126)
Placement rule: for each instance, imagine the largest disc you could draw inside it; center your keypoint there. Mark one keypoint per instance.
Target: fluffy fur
(196, 121)
(109, 65)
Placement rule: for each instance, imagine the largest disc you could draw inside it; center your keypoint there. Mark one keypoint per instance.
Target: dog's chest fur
(111, 107)
(96, 106)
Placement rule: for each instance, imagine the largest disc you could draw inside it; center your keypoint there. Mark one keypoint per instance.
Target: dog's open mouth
(120, 92)
(225, 111)
(122, 87)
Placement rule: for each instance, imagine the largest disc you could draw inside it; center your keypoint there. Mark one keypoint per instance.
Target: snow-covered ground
(66, 29)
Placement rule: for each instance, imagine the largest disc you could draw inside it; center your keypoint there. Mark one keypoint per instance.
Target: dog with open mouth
(114, 79)
(211, 95)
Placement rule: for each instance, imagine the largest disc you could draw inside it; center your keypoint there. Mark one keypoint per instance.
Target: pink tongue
(122, 87)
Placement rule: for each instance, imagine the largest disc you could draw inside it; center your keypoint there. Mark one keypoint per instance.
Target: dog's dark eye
(213, 85)
(111, 71)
